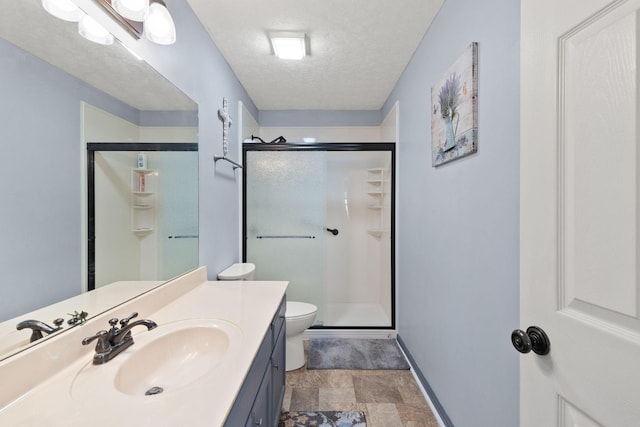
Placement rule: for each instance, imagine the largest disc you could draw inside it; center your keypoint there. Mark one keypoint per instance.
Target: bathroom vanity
(217, 355)
(260, 399)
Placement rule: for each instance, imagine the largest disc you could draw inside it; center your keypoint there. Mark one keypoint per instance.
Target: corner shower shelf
(143, 201)
(142, 231)
(375, 233)
(376, 190)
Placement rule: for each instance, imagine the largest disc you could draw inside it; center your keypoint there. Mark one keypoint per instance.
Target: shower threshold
(355, 315)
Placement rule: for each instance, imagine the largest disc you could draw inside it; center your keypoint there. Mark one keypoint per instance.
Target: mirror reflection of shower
(321, 218)
(145, 216)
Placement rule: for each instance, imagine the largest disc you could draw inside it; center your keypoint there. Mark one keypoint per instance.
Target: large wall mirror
(60, 93)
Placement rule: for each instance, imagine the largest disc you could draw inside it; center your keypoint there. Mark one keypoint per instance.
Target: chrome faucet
(112, 342)
(37, 328)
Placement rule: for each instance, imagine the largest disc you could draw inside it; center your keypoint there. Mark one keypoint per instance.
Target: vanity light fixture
(159, 26)
(289, 44)
(150, 17)
(136, 10)
(137, 17)
(91, 30)
(63, 9)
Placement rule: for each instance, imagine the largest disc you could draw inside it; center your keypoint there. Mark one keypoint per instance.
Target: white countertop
(206, 402)
(94, 303)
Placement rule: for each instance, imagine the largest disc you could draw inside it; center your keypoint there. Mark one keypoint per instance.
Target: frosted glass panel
(178, 207)
(322, 220)
(285, 197)
(148, 233)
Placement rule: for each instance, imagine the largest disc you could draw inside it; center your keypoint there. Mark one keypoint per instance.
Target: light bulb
(63, 9)
(91, 30)
(135, 10)
(159, 26)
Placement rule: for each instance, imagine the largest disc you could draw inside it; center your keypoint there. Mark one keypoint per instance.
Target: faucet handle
(37, 328)
(58, 322)
(102, 346)
(126, 320)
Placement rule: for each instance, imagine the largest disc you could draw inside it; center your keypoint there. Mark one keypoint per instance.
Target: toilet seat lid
(237, 271)
(297, 309)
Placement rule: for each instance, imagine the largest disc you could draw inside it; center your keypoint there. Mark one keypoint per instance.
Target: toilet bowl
(298, 317)
(239, 271)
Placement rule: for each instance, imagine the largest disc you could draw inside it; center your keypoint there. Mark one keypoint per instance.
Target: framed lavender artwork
(454, 110)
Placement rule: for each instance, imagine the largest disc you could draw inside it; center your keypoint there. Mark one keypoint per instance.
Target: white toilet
(240, 271)
(298, 317)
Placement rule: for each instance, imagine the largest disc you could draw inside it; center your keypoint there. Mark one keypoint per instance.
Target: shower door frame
(332, 146)
(92, 148)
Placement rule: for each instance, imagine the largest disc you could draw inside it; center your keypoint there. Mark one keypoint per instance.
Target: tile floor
(388, 398)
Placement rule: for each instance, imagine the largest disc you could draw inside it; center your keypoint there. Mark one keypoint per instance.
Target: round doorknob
(521, 341)
(534, 339)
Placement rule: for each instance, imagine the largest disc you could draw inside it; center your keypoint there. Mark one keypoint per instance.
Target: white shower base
(355, 314)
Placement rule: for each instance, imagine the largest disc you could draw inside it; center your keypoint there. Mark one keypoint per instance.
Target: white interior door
(579, 211)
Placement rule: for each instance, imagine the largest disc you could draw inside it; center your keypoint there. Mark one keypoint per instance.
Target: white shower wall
(120, 254)
(352, 255)
(357, 264)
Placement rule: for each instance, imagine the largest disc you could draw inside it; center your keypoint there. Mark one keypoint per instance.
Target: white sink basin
(164, 360)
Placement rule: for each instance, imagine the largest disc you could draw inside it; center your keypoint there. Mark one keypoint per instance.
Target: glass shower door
(321, 217)
(285, 221)
(178, 203)
(143, 222)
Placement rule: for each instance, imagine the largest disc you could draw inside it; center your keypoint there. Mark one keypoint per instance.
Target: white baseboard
(350, 333)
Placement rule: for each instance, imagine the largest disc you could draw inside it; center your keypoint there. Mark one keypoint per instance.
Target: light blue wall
(194, 64)
(457, 242)
(168, 118)
(40, 166)
(319, 118)
(41, 171)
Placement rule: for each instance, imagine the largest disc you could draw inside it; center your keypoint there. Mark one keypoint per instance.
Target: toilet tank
(239, 271)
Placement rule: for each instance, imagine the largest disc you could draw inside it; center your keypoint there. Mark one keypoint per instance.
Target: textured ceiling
(108, 68)
(359, 48)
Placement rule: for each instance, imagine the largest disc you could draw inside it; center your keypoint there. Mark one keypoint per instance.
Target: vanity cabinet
(260, 398)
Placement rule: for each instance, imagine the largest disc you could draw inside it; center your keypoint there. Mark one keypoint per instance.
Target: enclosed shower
(321, 216)
(142, 220)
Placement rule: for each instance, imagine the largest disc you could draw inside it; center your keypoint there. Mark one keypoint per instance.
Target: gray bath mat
(340, 353)
(322, 419)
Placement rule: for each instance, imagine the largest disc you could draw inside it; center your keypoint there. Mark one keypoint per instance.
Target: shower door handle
(333, 231)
